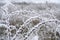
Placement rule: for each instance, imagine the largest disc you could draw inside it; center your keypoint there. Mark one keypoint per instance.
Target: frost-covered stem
(53, 16)
(4, 10)
(6, 5)
(36, 27)
(9, 36)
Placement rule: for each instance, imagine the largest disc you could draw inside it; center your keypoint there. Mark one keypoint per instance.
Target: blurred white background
(35, 1)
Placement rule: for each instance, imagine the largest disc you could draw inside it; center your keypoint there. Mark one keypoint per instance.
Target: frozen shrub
(41, 7)
(3, 32)
(2, 29)
(35, 22)
(58, 31)
(15, 20)
(13, 32)
(57, 14)
(3, 14)
(32, 22)
(23, 30)
(27, 21)
(47, 32)
(9, 8)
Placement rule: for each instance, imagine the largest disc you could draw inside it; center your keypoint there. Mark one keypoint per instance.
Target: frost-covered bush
(3, 32)
(9, 8)
(48, 31)
(24, 22)
(2, 29)
(12, 30)
(32, 22)
(15, 20)
(57, 15)
(2, 12)
(23, 30)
